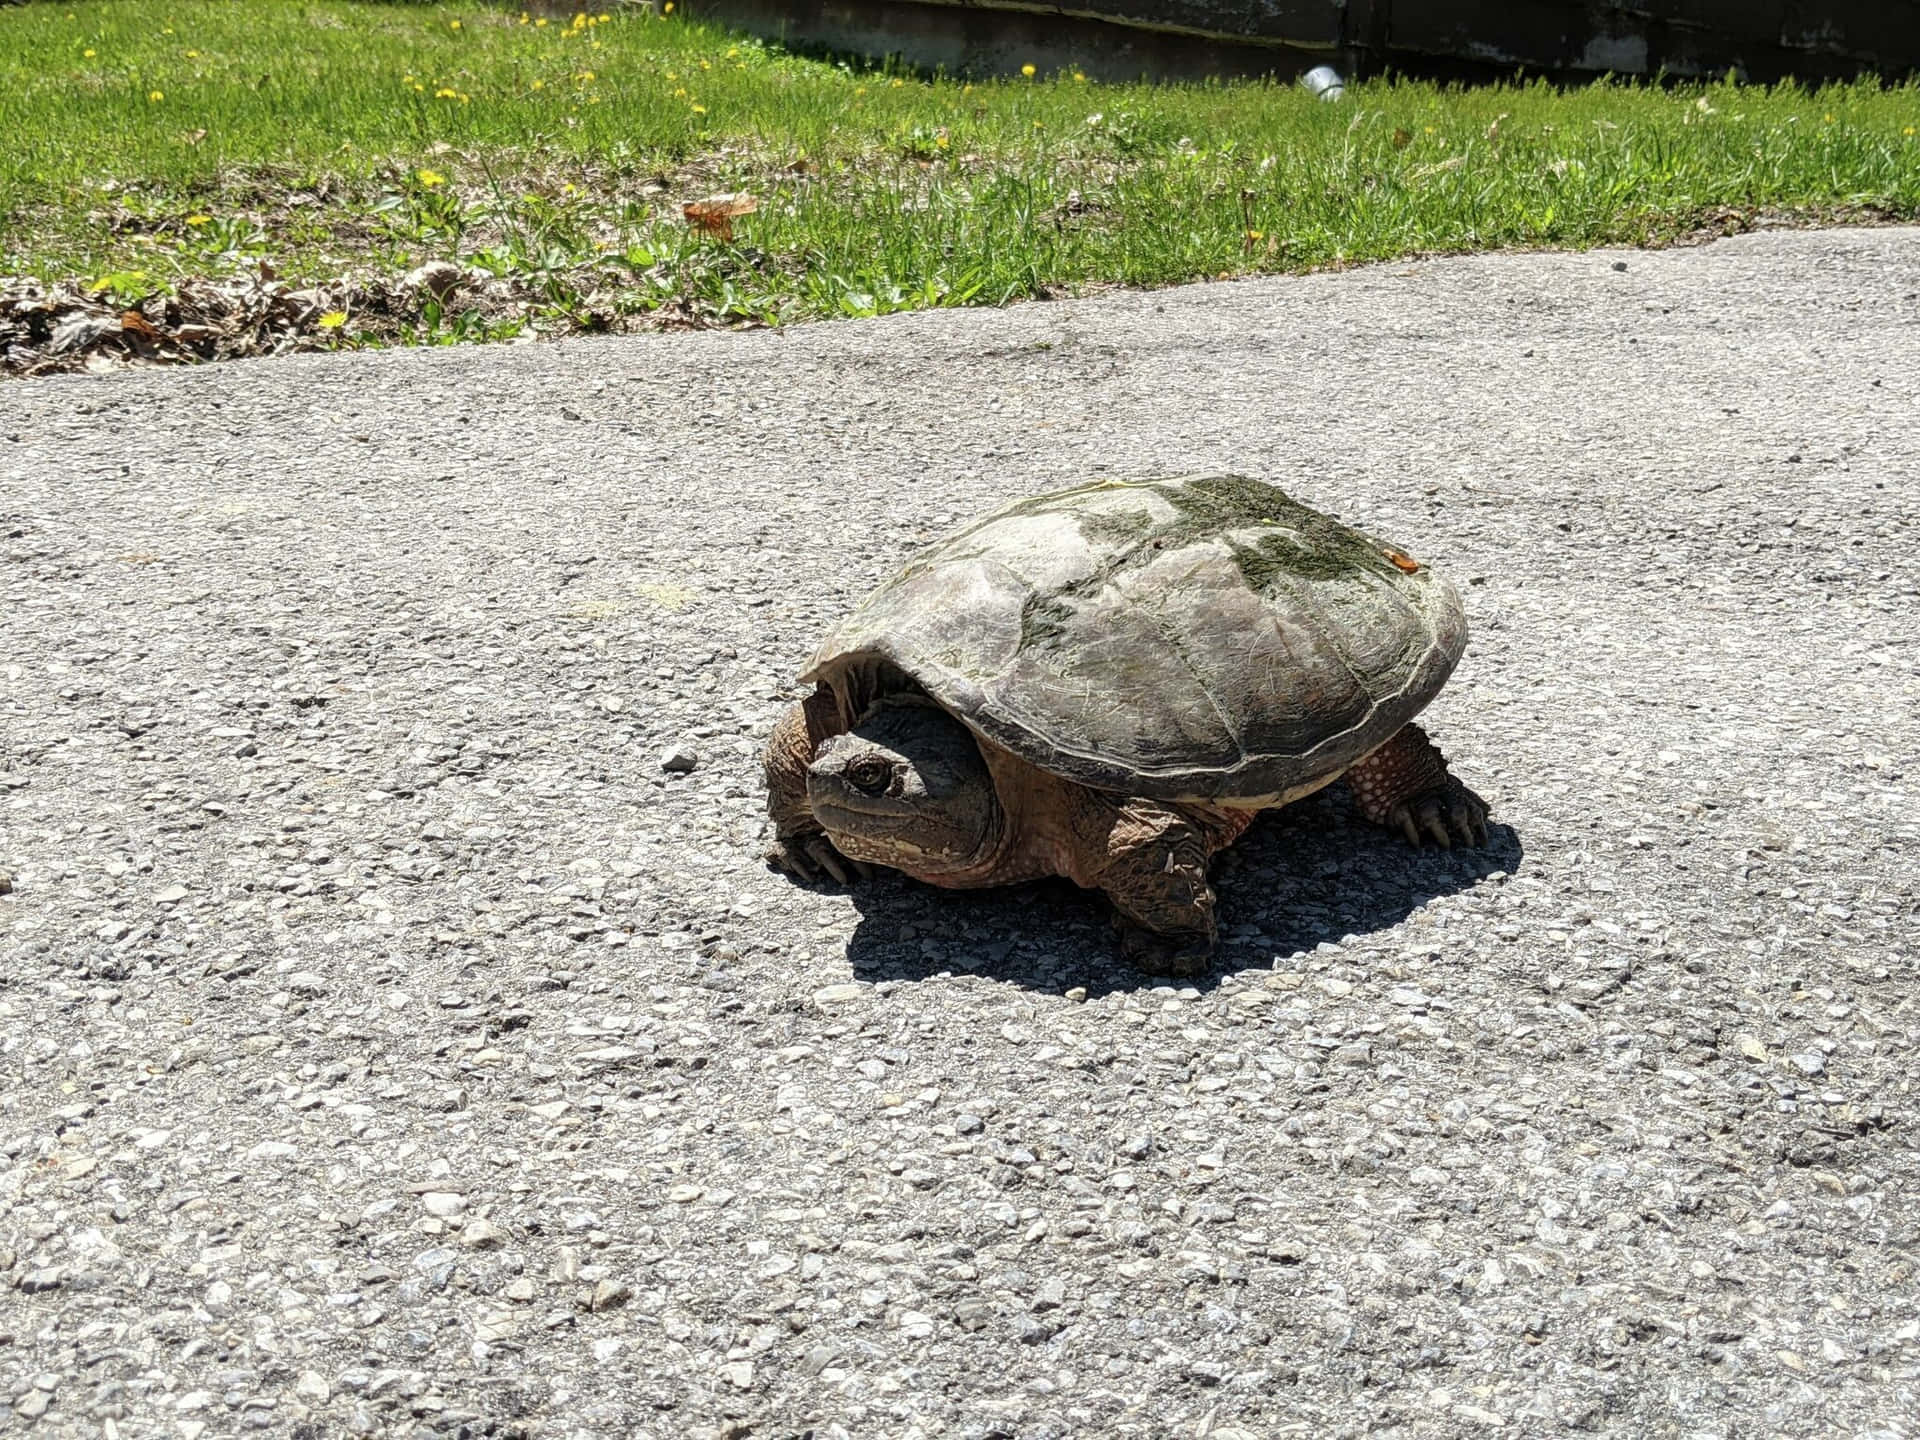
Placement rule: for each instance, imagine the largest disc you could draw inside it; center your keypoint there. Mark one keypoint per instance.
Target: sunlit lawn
(150, 140)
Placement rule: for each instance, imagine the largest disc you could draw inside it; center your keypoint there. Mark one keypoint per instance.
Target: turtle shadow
(1300, 877)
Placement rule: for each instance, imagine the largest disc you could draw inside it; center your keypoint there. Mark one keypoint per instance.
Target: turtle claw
(1469, 820)
(1446, 815)
(812, 856)
(1157, 954)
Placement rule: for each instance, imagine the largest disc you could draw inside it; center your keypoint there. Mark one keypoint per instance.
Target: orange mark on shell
(1403, 561)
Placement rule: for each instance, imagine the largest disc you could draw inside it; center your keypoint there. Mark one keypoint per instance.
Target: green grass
(154, 140)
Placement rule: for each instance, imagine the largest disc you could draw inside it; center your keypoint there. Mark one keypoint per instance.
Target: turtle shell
(1204, 638)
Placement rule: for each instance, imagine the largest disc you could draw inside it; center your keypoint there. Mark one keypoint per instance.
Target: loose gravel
(402, 1037)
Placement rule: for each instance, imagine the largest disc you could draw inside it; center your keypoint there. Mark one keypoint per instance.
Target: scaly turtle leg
(800, 847)
(1404, 785)
(1155, 873)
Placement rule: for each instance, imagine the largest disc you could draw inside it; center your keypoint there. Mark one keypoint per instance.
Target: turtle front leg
(1404, 785)
(800, 847)
(1154, 870)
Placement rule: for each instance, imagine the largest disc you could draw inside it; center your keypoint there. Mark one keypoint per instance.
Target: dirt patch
(51, 329)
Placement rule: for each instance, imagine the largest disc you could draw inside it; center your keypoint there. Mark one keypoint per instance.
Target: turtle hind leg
(1154, 871)
(1404, 785)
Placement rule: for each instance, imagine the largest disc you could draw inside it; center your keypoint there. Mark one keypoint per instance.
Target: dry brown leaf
(134, 323)
(715, 215)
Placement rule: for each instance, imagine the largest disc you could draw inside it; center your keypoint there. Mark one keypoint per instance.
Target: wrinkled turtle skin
(1106, 683)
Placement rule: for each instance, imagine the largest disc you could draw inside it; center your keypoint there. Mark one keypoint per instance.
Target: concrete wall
(979, 39)
(1182, 39)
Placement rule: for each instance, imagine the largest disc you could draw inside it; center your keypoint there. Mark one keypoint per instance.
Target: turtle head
(906, 788)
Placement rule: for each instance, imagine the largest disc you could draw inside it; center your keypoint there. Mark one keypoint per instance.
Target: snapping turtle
(1106, 683)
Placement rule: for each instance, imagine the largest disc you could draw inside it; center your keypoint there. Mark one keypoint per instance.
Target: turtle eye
(870, 773)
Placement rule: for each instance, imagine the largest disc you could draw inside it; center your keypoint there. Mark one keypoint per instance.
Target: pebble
(608, 1294)
(312, 1386)
(915, 1324)
(680, 758)
(483, 1234)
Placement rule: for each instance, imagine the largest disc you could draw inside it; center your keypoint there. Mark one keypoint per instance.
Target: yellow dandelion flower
(464, 99)
(1907, 131)
(584, 76)
(525, 18)
(198, 220)
(859, 89)
(673, 75)
(1826, 119)
(706, 64)
(420, 89)
(539, 84)
(445, 94)
(606, 19)
(699, 109)
(667, 9)
(898, 83)
(1027, 70)
(167, 31)
(732, 51)
(680, 94)
(406, 80)
(1079, 77)
(193, 54)
(156, 96)
(541, 23)
(429, 178)
(87, 54)
(332, 320)
(579, 21)
(453, 24)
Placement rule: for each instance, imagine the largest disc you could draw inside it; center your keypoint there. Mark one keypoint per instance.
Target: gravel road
(395, 1043)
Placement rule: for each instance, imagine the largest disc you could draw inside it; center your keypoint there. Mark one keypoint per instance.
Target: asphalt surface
(389, 1044)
